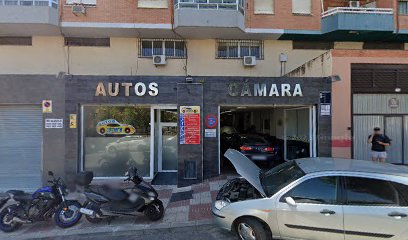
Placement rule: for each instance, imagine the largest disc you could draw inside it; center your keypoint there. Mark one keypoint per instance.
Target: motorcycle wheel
(155, 210)
(91, 219)
(5, 225)
(66, 219)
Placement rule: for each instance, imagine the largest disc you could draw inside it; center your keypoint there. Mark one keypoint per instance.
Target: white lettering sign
(262, 90)
(54, 123)
(140, 89)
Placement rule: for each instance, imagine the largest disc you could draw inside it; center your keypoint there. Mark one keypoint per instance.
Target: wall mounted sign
(138, 89)
(113, 127)
(264, 90)
(325, 103)
(210, 133)
(211, 121)
(190, 129)
(54, 123)
(72, 121)
(393, 103)
(47, 106)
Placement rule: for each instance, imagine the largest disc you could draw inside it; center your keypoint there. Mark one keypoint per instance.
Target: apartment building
(100, 85)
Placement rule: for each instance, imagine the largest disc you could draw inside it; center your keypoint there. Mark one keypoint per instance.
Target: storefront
(167, 127)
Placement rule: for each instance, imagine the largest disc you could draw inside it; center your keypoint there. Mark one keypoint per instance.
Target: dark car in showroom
(259, 150)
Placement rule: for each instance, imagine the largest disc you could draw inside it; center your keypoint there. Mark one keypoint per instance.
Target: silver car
(315, 198)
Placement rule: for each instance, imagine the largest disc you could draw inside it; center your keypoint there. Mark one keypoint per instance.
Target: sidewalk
(185, 207)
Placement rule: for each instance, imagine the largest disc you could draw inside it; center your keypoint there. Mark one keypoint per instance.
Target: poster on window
(190, 132)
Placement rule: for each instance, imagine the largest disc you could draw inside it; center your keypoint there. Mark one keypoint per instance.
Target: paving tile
(213, 195)
(196, 199)
(180, 196)
(200, 212)
(183, 189)
(205, 198)
(203, 187)
(178, 204)
(165, 193)
(217, 185)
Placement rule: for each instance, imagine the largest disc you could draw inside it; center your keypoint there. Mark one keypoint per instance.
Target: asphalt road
(205, 232)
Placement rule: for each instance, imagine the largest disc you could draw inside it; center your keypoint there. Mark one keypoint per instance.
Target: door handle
(327, 212)
(397, 215)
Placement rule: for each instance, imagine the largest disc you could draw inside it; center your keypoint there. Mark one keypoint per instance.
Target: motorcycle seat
(16, 192)
(22, 197)
(110, 193)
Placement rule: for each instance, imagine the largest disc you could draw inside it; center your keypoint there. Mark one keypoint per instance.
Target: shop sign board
(264, 90)
(210, 133)
(190, 132)
(54, 123)
(139, 89)
(47, 106)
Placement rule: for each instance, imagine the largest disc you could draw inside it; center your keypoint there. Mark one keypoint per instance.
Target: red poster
(190, 131)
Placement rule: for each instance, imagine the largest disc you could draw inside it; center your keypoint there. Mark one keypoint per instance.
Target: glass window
(403, 7)
(168, 115)
(322, 190)
(279, 177)
(170, 48)
(366, 191)
(115, 138)
(302, 6)
(239, 48)
(402, 193)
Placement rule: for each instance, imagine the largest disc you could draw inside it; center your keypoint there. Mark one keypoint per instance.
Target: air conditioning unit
(159, 59)
(78, 10)
(354, 4)
(249, 61)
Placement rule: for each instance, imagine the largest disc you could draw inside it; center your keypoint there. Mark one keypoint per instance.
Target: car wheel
(251, 229)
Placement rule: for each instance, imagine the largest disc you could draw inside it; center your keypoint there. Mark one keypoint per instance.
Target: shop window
(403, 7)
(302, 7)
(115, 138)
(263, 6)
(170, 48)
(239, 48)
(16, 41)
(87, 42)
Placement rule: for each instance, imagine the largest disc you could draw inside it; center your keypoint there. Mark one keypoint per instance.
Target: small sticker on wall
(210, 133)
(47, 106)
(54, 123)
(72, 121)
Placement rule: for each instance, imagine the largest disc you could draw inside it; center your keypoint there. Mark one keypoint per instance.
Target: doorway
(165, 144)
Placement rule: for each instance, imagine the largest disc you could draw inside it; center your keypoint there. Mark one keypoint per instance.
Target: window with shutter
(85, 2)
(264, 6)
(301, 6)
(152, 4)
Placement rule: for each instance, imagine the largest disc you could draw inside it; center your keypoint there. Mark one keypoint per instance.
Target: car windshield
(254, 140)
(279, 177)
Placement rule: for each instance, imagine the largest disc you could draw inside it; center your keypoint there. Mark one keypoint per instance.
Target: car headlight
(219, 204)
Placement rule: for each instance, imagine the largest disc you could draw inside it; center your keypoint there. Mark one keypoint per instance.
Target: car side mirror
(290, 201)
(50, 173)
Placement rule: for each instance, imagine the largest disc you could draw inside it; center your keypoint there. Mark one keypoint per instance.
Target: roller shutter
(20, 147)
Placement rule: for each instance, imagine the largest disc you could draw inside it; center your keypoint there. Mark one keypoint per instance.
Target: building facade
(101, 85)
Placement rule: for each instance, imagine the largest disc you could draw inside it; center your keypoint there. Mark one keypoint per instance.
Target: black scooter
(104, 202)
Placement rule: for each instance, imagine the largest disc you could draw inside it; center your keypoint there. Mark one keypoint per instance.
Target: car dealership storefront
(160, 124)
(165, 125)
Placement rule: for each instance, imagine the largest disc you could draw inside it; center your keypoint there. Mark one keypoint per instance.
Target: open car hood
(246, 168)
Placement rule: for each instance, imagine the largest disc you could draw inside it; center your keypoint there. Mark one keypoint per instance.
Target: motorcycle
(39, 206)
(105, 202)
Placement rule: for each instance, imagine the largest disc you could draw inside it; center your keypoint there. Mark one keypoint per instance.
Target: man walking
(378, 143)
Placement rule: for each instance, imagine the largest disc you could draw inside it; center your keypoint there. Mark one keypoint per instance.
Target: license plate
(259, 157)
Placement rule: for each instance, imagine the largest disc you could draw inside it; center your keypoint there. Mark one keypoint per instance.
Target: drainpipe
(322, 1)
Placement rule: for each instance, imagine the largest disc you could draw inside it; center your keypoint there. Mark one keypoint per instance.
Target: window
(114, 138)
(239, 48)
(17, 41)
(322, 190)
(87, 42)
(170, 48)
(263, 6)
(383, 45)
(313, 45)
(84, 2)
(365, 191)
(403, 7)
(402, 193)
(303, 7)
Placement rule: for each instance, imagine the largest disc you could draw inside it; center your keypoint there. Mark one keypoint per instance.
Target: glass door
(300, 132)
(167, 154)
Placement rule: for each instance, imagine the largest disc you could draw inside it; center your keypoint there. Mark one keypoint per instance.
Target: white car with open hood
(315, 198)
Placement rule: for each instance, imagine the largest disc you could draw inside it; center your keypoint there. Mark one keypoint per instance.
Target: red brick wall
(118, 11)
(283, 17)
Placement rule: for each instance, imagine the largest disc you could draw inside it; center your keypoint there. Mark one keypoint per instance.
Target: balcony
(28, 17)
(356, 19)
(209, 18)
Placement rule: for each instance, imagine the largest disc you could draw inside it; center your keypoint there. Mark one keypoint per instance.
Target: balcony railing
(235, 5)
(357, 10)
(49, 3)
